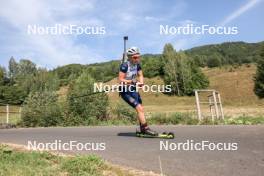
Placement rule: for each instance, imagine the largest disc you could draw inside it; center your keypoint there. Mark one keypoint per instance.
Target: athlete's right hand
(134, 81)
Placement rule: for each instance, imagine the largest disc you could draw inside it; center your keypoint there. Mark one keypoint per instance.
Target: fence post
(215, 104)
(211, 107)
(198, 105)
(221, 107)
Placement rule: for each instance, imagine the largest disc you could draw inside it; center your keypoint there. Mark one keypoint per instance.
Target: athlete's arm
(140, 77)
(122, 74)
(121, 78)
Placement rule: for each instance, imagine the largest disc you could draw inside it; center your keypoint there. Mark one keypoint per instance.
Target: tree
(24, 78)
(199, 60)
(214, 61)
(152, 65)
(2, 76)
(13, 68)
(171, 69)
(12, 94)
(68, 73)
(45, 81)
(26, 67)
(181, 72)
(259, 78)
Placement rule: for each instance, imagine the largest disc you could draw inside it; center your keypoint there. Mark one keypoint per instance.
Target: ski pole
(94, 93)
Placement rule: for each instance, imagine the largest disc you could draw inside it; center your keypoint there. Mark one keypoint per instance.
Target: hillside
(228, 48)
(234, 84)
(226, 53)
(215, 55)
(25, 76)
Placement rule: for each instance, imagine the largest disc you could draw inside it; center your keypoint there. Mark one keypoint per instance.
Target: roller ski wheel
(163, 135)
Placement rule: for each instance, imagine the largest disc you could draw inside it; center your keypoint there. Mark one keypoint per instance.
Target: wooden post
(210, 106)
(198, 105)
(221, 107)
(7, 113)
(216, 106)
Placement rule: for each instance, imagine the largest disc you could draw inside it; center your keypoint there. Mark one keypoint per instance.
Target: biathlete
(131, 75)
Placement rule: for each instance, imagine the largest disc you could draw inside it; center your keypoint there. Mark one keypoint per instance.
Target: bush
(213, 62)
(259, 77)
(41, 109)
(85, 110)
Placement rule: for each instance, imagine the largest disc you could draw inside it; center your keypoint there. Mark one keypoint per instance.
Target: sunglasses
(136, 56)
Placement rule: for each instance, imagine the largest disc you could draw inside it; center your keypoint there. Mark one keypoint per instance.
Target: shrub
(85, 110)
(214, 62)
(259, 77)
(41, 109)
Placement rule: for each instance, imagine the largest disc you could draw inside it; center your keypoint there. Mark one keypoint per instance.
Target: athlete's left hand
(139, 84)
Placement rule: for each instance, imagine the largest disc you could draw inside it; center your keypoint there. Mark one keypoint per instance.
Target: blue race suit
(131, 70)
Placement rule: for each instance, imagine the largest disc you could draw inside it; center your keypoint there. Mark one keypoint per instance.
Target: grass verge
(15, 162)
(184, 119)
(188, 119)
(177, 118)
(19, 161)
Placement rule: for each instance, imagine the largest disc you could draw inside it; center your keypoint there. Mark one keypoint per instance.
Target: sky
(140, 20)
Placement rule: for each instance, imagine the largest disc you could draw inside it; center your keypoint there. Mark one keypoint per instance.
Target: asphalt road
(123, 148)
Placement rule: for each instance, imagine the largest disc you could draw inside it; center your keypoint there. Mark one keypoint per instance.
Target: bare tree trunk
(174, 71)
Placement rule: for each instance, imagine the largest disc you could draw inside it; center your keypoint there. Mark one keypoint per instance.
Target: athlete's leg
(134, 100)
(140, 112)
(143, 123)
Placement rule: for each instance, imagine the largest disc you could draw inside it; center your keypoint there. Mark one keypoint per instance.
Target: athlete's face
(135, 58)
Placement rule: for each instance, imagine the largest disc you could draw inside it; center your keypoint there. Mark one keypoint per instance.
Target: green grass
(190, 119)
(173, 119)
(83, 165)
(31, 163)
(15, 162)
(176, 118)
(179, 118)
(117, 121)
(245, 120)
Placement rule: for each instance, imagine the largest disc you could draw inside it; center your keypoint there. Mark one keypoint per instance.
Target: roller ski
(148, 133)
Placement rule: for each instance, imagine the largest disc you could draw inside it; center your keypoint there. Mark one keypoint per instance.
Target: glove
(139, 84)
(134, 81)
